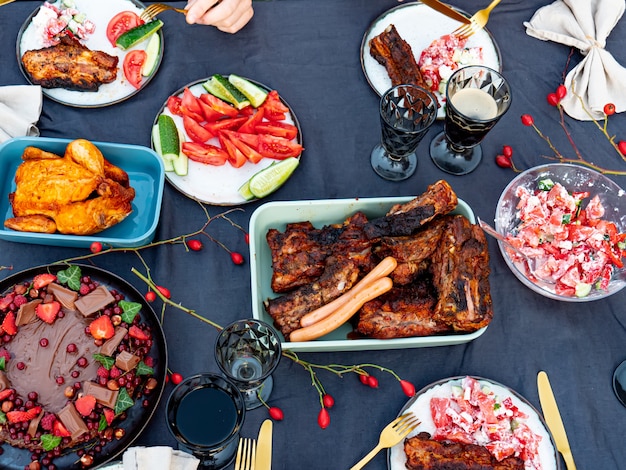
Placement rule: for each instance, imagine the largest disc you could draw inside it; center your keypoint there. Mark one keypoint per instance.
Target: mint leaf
(106, 361)
(3, 363)
(129, 310)
(102, 425)
(123, 402)
(49, 441)
(70, 276)
(143, 369)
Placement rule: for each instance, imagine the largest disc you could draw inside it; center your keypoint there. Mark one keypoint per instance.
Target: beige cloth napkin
(158, 458)
(585, 24)
(20, 108)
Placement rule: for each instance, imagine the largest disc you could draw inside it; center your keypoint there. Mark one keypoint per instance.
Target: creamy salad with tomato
(576, 248)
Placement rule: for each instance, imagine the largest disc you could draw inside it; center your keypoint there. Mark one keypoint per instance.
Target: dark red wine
(206, 416)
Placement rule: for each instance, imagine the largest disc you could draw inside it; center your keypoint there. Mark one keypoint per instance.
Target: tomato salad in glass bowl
(569, 219)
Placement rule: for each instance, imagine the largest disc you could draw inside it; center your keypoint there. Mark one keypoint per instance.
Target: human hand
(226, 15)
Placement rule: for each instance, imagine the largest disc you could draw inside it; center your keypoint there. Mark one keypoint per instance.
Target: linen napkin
(585, 24)
(20, 108)
(158, 458)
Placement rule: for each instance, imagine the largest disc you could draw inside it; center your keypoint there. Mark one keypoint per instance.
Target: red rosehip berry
(527, 120)
(408, 388)
(150, 296)
(553, 100)
(323, 418)
(176, 378)
(165, 292)
(622, 147)
(609, 109)
(276, 413)
(561, 91)
(503, 161)
(372, 382)
(507, 151)
(194, 245)
(363, 378)
(246, 237)
(236, 257)
(96, 247)
(328, 401)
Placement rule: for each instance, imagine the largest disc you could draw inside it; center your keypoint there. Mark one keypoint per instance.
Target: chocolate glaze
(45, 364)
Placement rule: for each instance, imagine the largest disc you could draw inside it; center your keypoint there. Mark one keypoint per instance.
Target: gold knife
(446, 10)
(4, 2)
(264, 447)
(553, 418)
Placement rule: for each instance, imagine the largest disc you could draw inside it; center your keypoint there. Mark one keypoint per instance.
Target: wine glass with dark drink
(476, 98)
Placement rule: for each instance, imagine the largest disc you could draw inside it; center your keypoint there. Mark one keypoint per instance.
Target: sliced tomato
(247, 111)
(173, 104)
(209, 113)
(227, 123)
(250, 153)
(189, 106)
(278, 129)
(133, 63)
(195, 131)
(275, 109)
(277, 147)
(121, 23)
(235, 157)
(248, 126)
(205, 153)
(218, 105)
(251, 140)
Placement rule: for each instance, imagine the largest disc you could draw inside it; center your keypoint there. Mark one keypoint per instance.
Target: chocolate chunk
(126, 361)
(64, 295)
(103, 395)
(27, 312)
(72, 421)
(97, 299)
(4, 381)
(34, 424)
(111, 344)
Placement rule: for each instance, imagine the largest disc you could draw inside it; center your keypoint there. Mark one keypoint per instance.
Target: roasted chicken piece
(71, 65)
(80, 193)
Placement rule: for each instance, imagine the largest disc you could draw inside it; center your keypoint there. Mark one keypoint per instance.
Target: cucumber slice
(218, 86)
(244, 191)
(181, 164)
(254, 93)
(156, 143)
(152, 55)
(271, 178)
(137, 34)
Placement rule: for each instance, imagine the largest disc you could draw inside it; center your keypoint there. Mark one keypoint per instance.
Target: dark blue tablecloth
(309, 50)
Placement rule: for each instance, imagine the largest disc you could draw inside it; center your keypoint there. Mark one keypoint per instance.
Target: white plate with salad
(96, 24)
(419, 25)
(253, 137)
(451, 407)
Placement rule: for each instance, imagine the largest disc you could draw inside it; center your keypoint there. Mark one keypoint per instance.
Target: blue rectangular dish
(147, 177)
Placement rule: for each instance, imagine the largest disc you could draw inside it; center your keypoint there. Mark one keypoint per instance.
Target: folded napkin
(585, 24)
(158, 458)
(20, 108)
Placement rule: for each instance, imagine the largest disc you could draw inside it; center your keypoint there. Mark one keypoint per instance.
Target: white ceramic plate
(100, 12)
(420, 405)
(210, 184)
(324, 212)
(419, 25)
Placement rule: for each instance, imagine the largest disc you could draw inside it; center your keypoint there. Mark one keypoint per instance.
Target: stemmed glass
(619, 382)
(476, 98)
(247, 352)
(406, 113)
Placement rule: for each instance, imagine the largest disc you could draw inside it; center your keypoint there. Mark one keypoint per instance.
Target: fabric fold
(158, 458)
(20, 109)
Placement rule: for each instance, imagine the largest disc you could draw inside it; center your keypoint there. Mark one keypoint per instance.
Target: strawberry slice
(137, 333)
(8, 324)
(109, 415)
(42, 280)
(21, 416)
(58, 429)
(85, 404)
(6, 301)
(48, 311)
(102, 328)
(4, 394)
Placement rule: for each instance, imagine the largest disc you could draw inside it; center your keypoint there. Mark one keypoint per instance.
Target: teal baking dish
(147, 177)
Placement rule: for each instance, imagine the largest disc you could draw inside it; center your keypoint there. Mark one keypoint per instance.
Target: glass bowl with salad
(570, 221)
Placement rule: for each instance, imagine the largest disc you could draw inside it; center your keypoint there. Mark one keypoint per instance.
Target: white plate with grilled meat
(520, 427)
(31, 37)
(419, 25)
(276, 215)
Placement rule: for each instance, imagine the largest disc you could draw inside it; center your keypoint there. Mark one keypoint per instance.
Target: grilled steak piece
(424, 453)
(404, 219)
(396, 55)
(339, 275)
(70, 65)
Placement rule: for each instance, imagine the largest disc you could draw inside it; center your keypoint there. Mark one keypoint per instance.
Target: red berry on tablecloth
(622, 147)
(276, 413)
(323, 418)
(363, 378)
(609, 109)
(165, 292)
(176, 378)
(96, 247)
(561, 91)
(527, 120)
(150, 296)
(328, 401)
(503, 161)
(372, 382)
(236, 257)
(553, 100)
(195, 245)
(408, 388)
(507, 151)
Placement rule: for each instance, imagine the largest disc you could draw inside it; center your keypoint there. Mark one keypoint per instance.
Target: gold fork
(4, 2)
(477, 22)
(153, 10)
(246, 454)
(392, 434)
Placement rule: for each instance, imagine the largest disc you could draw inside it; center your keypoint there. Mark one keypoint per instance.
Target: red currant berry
(609, 109)
(236, 257)
(507, 151)
(553, 100)
(71, 348)
(43, 342)
(503, 162)
(150, 296)
(195, 245)
(561, 91)
(96, 247)
(527, 120)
